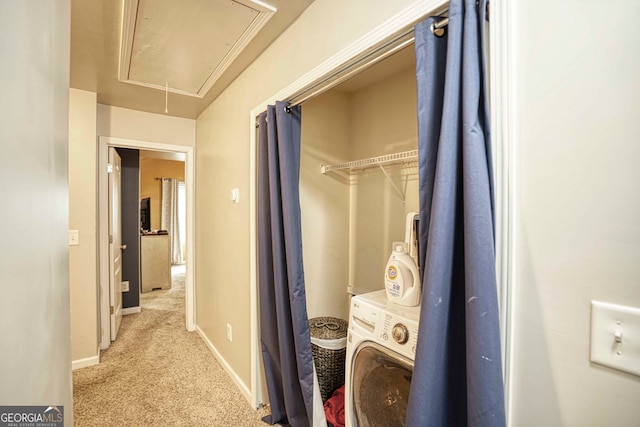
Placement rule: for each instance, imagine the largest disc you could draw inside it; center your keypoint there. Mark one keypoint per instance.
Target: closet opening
(358, 180)
(359, 109)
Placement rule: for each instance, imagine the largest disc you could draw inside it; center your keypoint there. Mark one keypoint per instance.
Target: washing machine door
(381, 381)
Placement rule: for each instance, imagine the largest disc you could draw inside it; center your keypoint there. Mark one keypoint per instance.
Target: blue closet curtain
(284, 325)
(457, 378)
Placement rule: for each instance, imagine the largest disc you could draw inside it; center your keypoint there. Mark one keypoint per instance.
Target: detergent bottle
(401, 277)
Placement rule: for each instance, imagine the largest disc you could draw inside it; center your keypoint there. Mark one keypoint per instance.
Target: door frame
(501, 98)
(115, 241)
(104, 142)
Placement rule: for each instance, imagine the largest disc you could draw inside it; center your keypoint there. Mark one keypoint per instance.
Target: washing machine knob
(400, 333)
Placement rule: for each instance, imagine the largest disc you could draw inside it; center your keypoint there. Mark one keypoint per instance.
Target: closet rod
(376, 54)
(437, 26)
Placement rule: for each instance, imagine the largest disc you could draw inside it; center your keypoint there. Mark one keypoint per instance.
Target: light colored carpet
(158, 374)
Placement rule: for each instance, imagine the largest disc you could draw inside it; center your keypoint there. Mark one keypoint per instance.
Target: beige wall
(222, 162)
(35, 344)
(577, 221)
(348, 229)
(383, 121)
(324, 204)
(82, 217)
(383, 116)
(150, 169)
(131, 124)
(86, 120)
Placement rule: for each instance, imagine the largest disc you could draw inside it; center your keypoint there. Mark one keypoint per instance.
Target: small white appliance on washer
(381, 345)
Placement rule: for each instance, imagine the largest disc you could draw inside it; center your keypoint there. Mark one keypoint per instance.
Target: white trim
(262, 6)
(103, 249)
(104, 142)
(256, 394)
(330, 344)
(502, 100)
(190, 278)
(165, 88)
(129, 15)
(234, 376)
(86, 362)
(394, 26)
(265, 13)
(131, 310)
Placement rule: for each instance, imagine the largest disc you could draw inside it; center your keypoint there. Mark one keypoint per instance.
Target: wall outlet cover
(229, 332)
(125, 286)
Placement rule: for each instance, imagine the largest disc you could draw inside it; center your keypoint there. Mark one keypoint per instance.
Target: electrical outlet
(229, 332)
(125, 286)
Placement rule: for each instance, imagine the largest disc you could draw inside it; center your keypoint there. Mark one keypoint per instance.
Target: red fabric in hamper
(334, 408)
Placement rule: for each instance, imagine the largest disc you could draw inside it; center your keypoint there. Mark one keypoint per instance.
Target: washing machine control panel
(392, 325)
(364, 317)
(399, 333)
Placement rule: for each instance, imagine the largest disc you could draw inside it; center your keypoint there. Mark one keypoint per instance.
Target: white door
(115, 242)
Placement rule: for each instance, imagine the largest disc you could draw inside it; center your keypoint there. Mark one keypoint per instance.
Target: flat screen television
(145, 214)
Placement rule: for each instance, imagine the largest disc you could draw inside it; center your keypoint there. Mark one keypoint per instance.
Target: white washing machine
(381, 346)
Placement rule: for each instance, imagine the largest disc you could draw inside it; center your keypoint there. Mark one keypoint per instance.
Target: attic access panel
(186, 44)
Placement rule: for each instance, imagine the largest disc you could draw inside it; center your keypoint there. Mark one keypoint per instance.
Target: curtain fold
(284, 325)
(169, 217)
(457, 378)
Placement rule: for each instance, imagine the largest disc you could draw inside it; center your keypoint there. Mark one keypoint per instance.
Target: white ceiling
(187, 44)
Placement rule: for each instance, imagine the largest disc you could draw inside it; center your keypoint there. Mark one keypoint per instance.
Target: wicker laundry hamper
(329, 348)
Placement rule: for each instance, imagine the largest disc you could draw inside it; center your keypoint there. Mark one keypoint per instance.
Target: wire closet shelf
(388, 159)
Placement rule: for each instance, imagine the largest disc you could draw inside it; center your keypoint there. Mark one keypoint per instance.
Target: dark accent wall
(131, 225)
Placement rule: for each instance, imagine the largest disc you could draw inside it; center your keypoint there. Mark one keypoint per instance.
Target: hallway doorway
(175, 151)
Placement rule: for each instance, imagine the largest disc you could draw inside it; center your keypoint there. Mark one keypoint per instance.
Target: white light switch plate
(615, 336)
(74, 237)
(235, 195)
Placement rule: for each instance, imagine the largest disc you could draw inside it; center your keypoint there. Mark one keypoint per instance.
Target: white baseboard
(83, 363)
(236, 379)
(131, 310)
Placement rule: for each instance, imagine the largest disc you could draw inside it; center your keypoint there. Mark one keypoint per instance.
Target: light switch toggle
(235, 195)
(618, 336)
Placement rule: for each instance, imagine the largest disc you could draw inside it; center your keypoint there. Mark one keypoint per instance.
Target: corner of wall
(83, 272)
